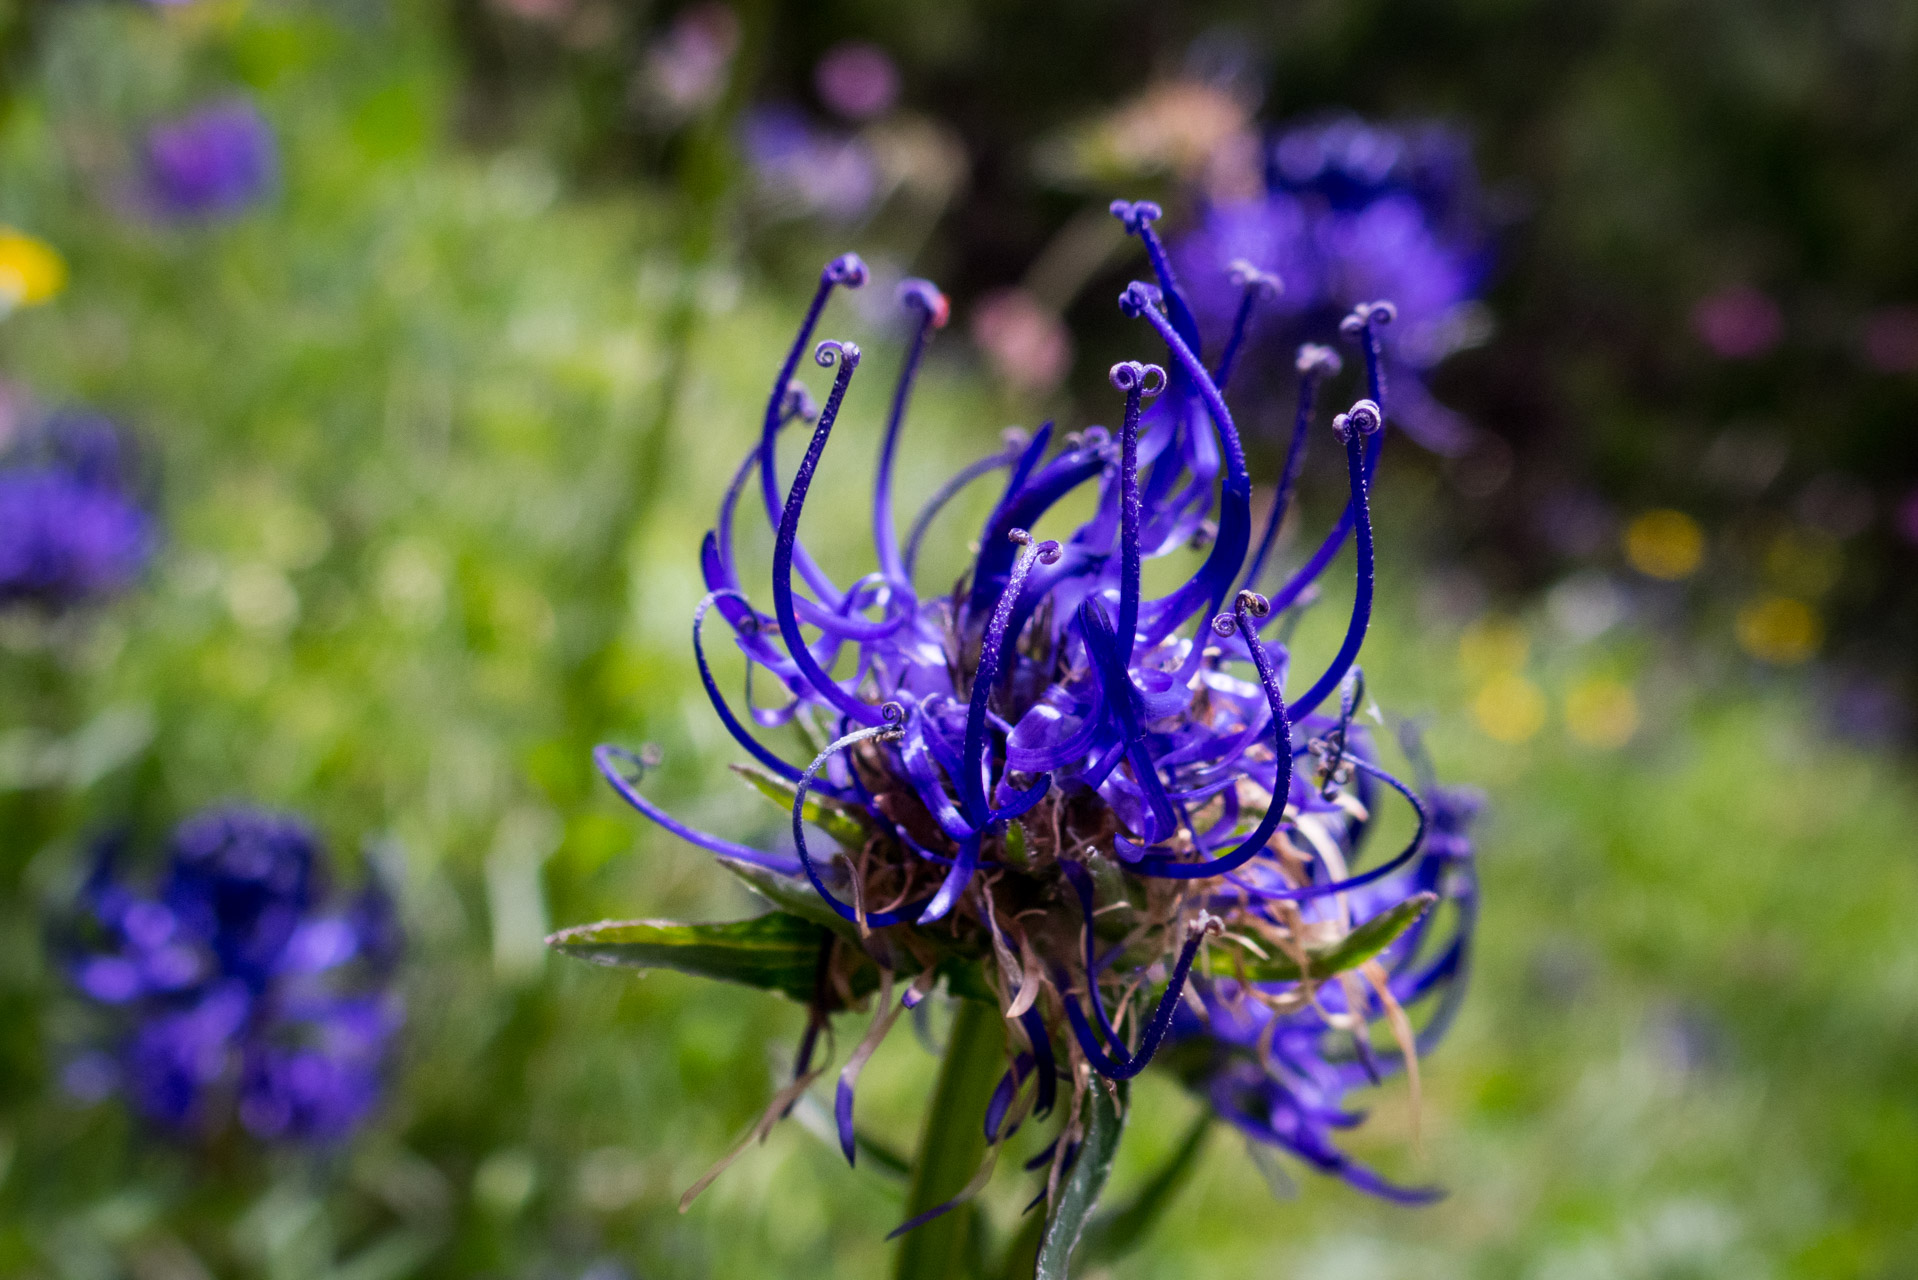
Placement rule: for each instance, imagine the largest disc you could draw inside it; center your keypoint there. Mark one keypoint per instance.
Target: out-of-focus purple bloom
(805, 170)
(1891, 339)
(857, 80)
(1046, 770)
(240, 988)
(1353, 211)
(211, 163)
(1738, 323)
(71, 529)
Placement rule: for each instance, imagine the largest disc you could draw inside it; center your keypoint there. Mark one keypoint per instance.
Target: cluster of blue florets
(238, 990)
(72, 528)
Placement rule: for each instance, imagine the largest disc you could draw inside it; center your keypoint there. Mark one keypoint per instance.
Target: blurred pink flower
(1738, 322)
(1026, 344)
(685, 70)
(857, 80)
(1891, 339)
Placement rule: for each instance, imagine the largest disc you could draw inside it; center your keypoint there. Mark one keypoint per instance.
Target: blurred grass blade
(1113, 1235)
(1349, 952)
(776, 952)
(953, 1146)
(822, 813)
(1079, 1193)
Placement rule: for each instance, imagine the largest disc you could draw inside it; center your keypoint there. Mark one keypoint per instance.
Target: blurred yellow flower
(1509, 708)
(1665, 544)
(1601, 712)
(31, 270)
(1491, 645)
(1779, 629)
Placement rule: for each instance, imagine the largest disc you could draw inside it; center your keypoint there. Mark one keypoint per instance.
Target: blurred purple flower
(1353, 211)
(806, 170)
(1891, 339)
(1738, 323)
(70, 527)
(211, 163)
(857, 80)
(1905, 518)
(239, 988)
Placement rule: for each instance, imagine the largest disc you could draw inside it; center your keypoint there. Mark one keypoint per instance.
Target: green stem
(953, 1145)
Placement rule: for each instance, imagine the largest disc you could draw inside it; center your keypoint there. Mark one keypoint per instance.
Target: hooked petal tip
(1316, 361)
(1364, 417)
(1365, 314)
(927, 297)
(1247, 276)
(829, 352)
(1129, 375)
(848, 269)
(1136, 215)
(1138, 297)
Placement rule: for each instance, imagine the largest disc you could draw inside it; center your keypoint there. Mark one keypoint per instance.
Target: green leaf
(953, 1146)
(1113, 1235)
(1079, 1193)
(1349, 952)
(776, 952)
(791, 895)
(822, 813)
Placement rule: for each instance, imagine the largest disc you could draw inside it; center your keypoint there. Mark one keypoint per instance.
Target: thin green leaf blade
(1079, 1193)
(775, 952)
(1349, 952)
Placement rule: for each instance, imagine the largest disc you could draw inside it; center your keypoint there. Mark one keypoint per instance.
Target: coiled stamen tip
(1049, 552)
(1254, 603)
(893, 713)
(1245, 275)
(1130, 375)
(650, 756)
(925, 296)
(1020, 536)
(848, 269)
(1363, 417)
(1317, 361)
(1368, 313)
(827, 353)
(1136, 215)
(1224, 624)
(1138, 297)
(1015, 439)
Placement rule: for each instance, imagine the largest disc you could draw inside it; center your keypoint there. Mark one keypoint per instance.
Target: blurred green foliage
(393, 423)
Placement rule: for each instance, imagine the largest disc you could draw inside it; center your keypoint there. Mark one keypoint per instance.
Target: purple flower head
(1354, 211)
(1096, 800)
(71, 529)
(211, 163)
(240, 988)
